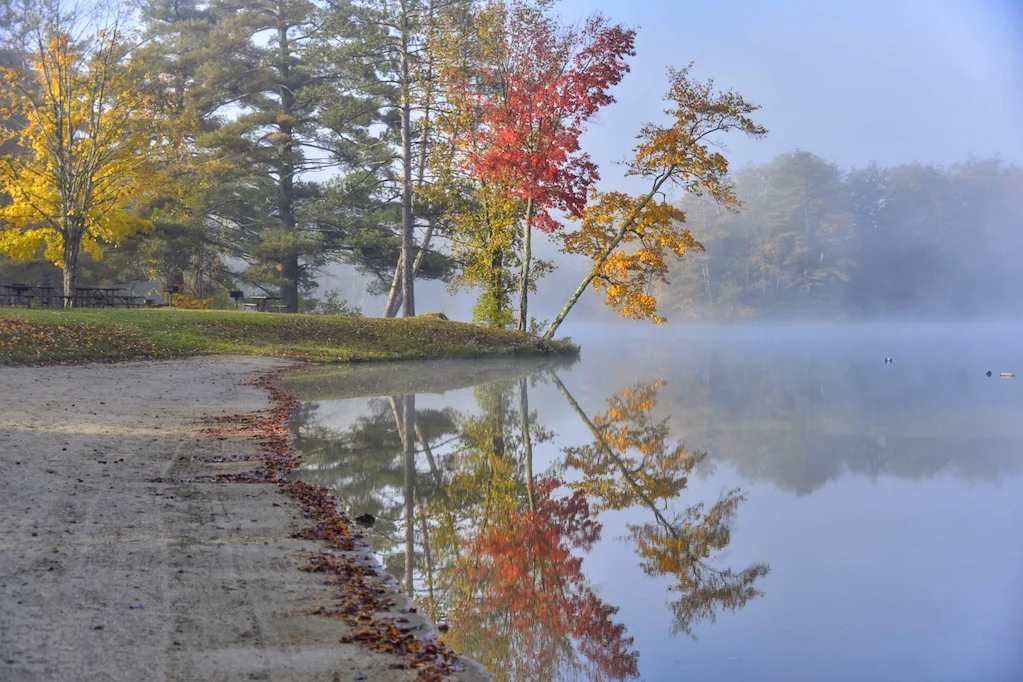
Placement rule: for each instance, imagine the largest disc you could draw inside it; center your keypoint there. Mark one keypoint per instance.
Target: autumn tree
(629, 239)
(94, 143)
(479, 213)
(519, 87)
(531, 84)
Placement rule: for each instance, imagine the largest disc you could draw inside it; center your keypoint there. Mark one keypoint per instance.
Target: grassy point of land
(52, 336)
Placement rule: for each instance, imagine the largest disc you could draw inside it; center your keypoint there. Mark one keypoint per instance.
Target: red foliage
(533, 109)
(526, 570)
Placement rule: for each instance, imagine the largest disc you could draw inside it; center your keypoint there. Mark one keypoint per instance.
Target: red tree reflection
(529, 611)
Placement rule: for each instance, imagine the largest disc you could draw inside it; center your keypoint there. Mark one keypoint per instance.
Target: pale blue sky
(852, 80)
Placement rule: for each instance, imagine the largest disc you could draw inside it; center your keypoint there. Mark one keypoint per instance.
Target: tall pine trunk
(286, 185)
(291, 271)
(407, 218)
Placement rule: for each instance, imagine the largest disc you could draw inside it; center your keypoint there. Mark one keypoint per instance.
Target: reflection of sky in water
(899, 560)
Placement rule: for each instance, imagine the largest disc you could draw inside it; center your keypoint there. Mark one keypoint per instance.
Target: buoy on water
(887, 361)
(988, 373)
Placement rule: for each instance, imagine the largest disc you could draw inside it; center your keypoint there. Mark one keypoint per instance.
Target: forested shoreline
(816, 241)
(203, 146)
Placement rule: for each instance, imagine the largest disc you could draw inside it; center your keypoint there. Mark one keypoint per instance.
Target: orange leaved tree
(629, 238)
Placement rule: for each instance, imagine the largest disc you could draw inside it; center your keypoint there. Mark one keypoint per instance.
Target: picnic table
(17, 294)
(46, 297)
(104, 297)
(266, 304)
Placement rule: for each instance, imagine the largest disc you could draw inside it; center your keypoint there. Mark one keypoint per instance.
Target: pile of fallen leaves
(24, 341)
(363, 602)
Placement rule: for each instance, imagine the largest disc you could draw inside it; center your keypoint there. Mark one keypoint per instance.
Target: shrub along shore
(52, 337)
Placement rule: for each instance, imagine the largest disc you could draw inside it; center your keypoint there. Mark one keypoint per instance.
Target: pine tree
(381, 49)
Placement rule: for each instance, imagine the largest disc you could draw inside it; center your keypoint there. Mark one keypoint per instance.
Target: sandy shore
(107, 575)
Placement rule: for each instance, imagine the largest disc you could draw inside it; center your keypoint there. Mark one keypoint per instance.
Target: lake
(710, 503)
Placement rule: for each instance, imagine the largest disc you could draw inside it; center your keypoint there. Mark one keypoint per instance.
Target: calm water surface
(698, 503)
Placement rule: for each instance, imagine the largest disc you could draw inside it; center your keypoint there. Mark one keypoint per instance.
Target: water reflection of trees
(632, 462)
(802, 415)
(498, 549)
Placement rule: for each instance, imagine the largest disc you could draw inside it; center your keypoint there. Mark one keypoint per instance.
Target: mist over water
(869, 519)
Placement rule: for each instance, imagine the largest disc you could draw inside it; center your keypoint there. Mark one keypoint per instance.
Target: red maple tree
(532, 105)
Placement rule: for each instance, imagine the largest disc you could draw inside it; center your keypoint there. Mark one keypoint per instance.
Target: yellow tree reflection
(633, 463)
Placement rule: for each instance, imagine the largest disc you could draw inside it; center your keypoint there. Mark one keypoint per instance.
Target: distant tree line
(814, 240)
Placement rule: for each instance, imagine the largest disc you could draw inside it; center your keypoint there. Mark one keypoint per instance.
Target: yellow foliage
(88, 145)
(191, 302)
(632, 464)
(630, 243)
(629, 239)
(632, 461)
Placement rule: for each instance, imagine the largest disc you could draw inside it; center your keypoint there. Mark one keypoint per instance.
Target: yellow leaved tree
(90, 145)
(630, 239)
(481, 215)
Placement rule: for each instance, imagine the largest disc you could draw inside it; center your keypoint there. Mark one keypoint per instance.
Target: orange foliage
(630, 238)
(655, 231)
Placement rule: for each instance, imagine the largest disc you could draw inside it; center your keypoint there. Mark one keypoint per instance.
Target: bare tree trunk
(527, 255)
(407, 216)
(526, 440)
(409, 447)
(394, 298)
(394, 295)
(421, 251)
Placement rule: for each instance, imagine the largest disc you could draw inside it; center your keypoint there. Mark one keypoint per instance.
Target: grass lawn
(49, 336)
